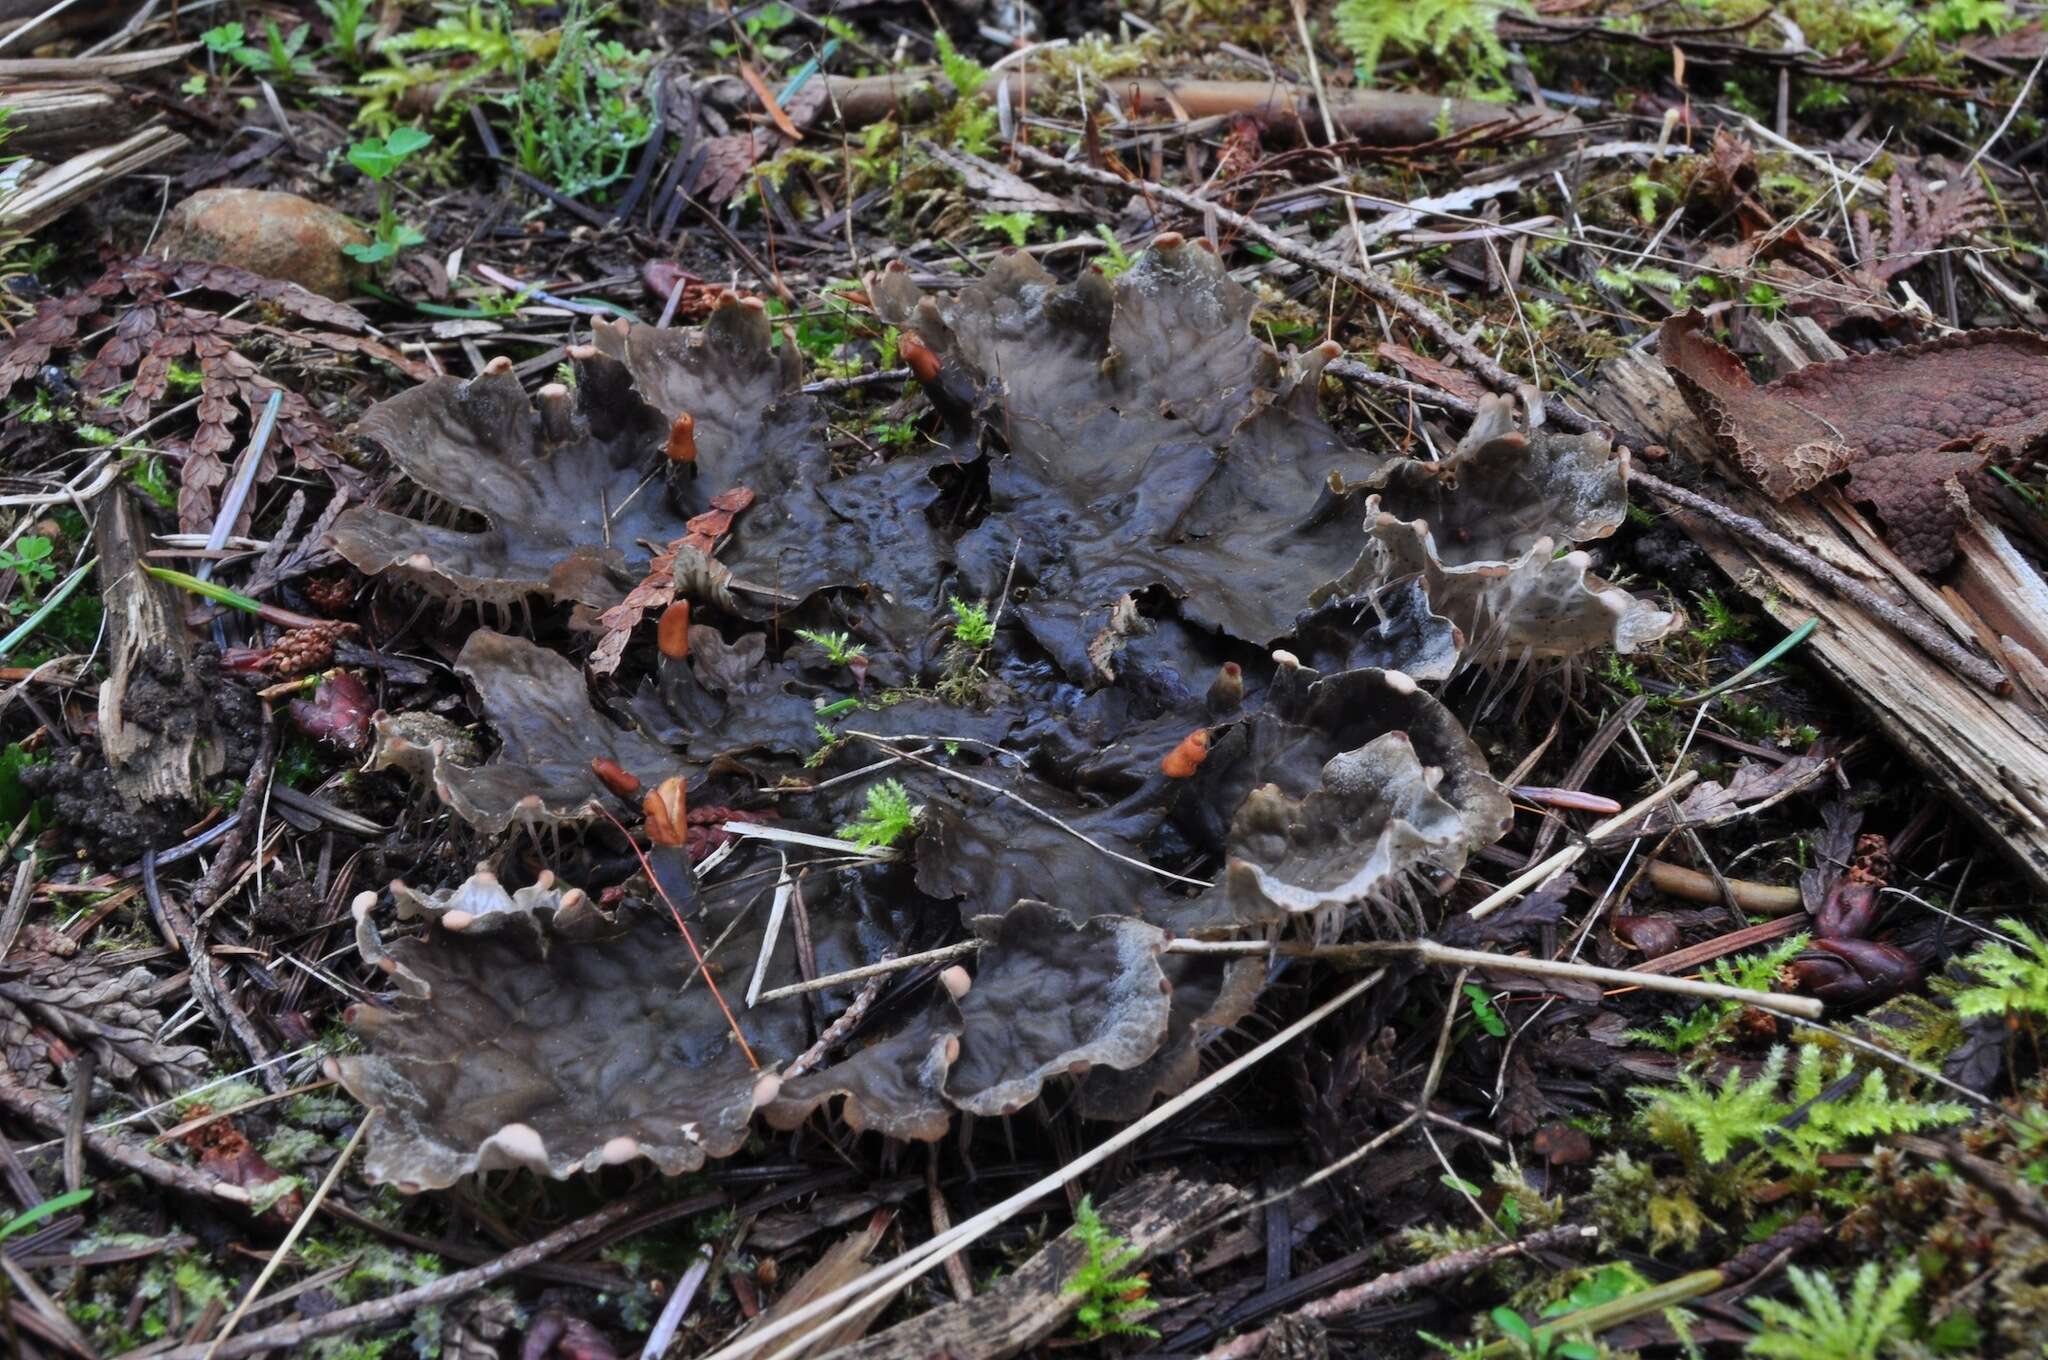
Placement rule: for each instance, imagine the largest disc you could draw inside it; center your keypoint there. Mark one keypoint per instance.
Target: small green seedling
(30, 559)
(1111, 1301)
(346, 17)
(971, 624)
(1537, 1345)
(839, 648)
(280, 58)
(224, 40)
(379, 159)
(886, 817)
(1015, 225)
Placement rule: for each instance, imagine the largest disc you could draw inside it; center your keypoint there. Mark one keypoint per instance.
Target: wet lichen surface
(1234, 681)
(1140, 648)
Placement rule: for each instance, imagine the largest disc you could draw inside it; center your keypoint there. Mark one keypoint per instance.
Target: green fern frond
(1457, 33)
(1828, 1327)
(1718, 1119)
(2012, 982)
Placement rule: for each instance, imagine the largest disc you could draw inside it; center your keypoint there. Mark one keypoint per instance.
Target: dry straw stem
(1424, 951)
(1538, 874)
(884, 1280)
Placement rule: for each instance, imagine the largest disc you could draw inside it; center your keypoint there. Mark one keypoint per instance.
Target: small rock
(280, 236)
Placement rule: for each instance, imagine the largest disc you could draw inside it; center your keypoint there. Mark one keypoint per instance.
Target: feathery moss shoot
(1111, 1301)
(885, 818)
(971, 623)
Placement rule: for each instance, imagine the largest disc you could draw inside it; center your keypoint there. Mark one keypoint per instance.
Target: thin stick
(1914, 625)
(685, 1292)
(886, 966)
(289, 1335)
(1371, 284)
(245, 477)
(284, 1248)
(777, 909)
(1029, 807)
(1428, 951)
(886, 1279)
(1440, 1271)
(758, 832)
(1542, 872)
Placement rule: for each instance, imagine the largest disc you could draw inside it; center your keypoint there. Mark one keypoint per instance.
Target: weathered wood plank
(1987, 753)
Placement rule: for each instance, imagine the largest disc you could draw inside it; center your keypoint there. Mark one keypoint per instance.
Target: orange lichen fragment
(682, 439)
(1184, 759)
(913, 351)
(615, 776)
(672, 634)
(667, 808)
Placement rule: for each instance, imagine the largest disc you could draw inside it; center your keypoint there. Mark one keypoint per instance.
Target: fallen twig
(1442, 1270)
(1758, 899)
(1536, 875)
(1931, 639)
(171, 1175)
(288, 1336)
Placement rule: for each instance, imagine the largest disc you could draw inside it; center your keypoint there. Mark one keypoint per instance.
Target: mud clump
(90, 814)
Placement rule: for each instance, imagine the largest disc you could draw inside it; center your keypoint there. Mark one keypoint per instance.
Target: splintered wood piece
(1154, 1214)
(57, 190)
(1986, 752)
(168, 752)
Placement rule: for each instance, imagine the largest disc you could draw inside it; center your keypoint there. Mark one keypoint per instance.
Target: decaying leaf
(1912, 427)
(532, 1029)
(1338, 792)
(1050, 999)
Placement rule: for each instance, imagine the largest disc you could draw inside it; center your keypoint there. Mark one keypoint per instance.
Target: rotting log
(156, 722)
(1152, 1215)
(1377, 117)
(1986, 753)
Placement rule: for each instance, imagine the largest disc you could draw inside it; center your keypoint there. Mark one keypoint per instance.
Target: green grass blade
(45, 609)
(35, 1214)
(187, 581)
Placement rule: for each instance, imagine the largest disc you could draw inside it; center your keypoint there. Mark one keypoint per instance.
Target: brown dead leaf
(1434, 373)
(1911, 426)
